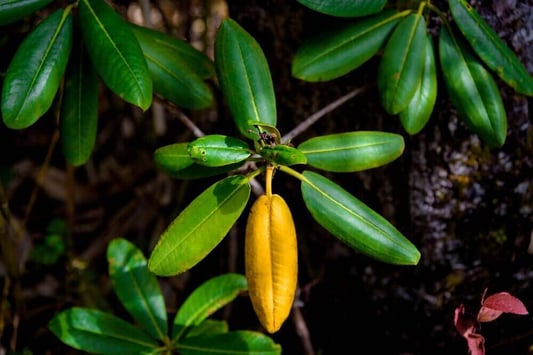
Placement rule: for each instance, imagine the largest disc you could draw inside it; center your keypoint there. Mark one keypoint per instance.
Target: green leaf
(79, 107)
(136, 287)
(490, 48)
(98, 332)
(283, 154)
(244, 77)
(402, 64)
(209, 298)
(352, 151)
(175, 82)
(196, 61)
(36, 70)
(173, 157)
(115, 52)
(216, 150)
(208, 326)
(197, 171)
(417, 114)
(472, 90)
(200, 226)
(355, 223)
(232, 343)
(345, 8)
(337, 51)
(13, 10)
(176, 69)
(175, 160)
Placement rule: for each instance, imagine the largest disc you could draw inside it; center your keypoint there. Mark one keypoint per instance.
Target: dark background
(468, 208)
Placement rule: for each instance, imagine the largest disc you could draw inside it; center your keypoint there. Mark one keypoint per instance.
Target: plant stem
(439, 13)
(421, 7)
(292, 172)
(257, 188)
(302, 331)
(189, 123)
(268, 180)
(309, 121)
(39, 178)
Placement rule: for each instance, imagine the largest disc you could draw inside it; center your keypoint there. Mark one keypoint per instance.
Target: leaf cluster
(491, 309)
(468, 54)
(64, 57)
(202, 225)
(192, 331)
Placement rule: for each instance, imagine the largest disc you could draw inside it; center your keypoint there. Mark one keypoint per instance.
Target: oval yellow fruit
(271, 260)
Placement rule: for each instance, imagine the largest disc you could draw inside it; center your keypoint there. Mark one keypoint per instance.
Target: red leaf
(488, 314)
(505, 302)
(464, 323)
(476, 344)
(466, 326)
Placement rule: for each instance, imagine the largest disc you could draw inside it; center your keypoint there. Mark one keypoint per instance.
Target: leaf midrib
(41, 65)
(114, 45)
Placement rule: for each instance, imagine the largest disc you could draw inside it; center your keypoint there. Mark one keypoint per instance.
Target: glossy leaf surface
(197, 171)
(115, 52)
(177, 71)
(345, 8)
(232, 343)
(208, 326)
(35, 71)
(209, 298)
(244, 78)
(12, 11)
(136, 287)
(491, 48)
(337, 51)
(175, 160)
(417, 114)
(218, 150)
(355, 223)
(174, 81)
(401, 66)
(352, 151)
(472, 90)
(283, 154)
(196, 61)
(79, 107)
(200, 226)
(98, 332)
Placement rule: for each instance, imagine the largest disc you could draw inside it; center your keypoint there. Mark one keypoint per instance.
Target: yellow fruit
(271, 260)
